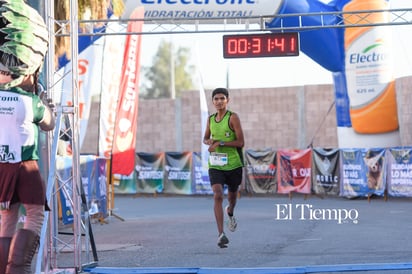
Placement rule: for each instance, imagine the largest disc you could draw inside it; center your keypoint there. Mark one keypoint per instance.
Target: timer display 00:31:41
(261, 45)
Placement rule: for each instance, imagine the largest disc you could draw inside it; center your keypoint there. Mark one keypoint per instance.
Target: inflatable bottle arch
(360, 59)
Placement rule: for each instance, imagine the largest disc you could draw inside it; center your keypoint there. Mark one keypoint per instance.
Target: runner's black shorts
(231, 178)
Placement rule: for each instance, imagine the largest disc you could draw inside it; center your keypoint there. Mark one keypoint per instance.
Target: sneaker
(231, 224)
(222, 241)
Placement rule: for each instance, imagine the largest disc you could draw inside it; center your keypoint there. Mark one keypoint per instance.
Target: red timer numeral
(256, 46)
(292, 44)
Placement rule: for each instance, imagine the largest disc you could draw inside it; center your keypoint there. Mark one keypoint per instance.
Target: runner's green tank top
(221, 131)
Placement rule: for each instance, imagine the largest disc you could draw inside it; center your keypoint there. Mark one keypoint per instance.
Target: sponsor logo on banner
(190, 9)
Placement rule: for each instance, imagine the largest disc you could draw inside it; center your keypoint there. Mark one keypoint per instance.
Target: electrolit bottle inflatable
(369, 68)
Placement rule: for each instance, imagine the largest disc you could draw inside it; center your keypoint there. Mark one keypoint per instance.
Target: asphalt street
(298, 233)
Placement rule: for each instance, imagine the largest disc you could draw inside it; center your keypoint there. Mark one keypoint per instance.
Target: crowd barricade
(355, 172)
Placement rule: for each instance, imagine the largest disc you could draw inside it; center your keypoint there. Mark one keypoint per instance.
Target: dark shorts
(231, 178)
(22, 182)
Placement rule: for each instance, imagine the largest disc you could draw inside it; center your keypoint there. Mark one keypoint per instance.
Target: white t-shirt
(20, 113)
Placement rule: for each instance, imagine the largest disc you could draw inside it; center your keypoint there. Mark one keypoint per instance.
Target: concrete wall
(287, 117)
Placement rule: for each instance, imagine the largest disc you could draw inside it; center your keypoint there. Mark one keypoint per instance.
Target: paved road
(273, 232)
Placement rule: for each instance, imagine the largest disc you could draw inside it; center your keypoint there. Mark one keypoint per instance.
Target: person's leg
(26, 240)
(231, 198)
(222, 240)
(34, 217)
(8, 225)
(229, 210)
(218, 206)
(4, 253)
(235, 179)
(23, 246)
(9, 219)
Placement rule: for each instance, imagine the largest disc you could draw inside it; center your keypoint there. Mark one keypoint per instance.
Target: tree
(158, 82)
(88, 9)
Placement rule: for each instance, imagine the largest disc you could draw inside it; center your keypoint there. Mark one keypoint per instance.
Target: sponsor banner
(149, 172)
(400, 172)
(260, 171)
(201, 181)
(110, 81)
(294, 171)
(192, 9)
(353, 179)
(93, 180)
(125, 184)
(101, 193)
(376, 170)
(124, 140)
(363, 172)
(325, 171)
(178, 173)
(87, 174)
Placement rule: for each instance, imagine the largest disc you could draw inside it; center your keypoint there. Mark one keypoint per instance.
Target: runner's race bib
(218, 159)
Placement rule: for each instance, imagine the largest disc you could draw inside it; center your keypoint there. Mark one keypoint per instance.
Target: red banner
(124, 140)
(294, 171)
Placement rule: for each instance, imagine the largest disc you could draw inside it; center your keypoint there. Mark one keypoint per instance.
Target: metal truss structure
(304, 22)
(50, 238)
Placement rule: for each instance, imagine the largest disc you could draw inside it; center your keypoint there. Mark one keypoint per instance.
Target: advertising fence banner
(325, 171)
(341, 172)
(294, 170)
(149, 172)
(93, 179)
(363, 172)
(178, 173)
(201, 181)
(375, 162)
(125, 184)
(400, 172)
(353, 182)
(260, 171)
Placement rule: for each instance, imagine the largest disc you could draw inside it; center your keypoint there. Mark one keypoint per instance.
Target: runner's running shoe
(231, 224)
(222, 241)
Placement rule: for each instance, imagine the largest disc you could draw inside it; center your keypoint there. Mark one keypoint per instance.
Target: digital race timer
(261, 45)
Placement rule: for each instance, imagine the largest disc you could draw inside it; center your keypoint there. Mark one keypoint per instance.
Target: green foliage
(157, 83)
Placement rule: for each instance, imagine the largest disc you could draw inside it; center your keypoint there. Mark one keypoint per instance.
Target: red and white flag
(124, 139)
